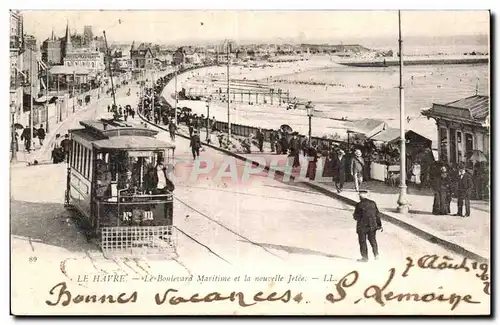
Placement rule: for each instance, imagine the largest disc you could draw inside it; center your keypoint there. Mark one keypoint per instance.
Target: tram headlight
(137, 215)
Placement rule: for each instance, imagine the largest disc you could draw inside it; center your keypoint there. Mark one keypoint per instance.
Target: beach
(335, 90)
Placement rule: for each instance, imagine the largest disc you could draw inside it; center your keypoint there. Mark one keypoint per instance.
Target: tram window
(75, 155)
(73, 150)
(84, 158)
(89, 164)
(80, 158)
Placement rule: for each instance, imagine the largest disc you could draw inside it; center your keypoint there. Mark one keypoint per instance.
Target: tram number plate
(144, 215)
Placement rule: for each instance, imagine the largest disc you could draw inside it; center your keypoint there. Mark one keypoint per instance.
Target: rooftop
(473, 109)
(479, 106)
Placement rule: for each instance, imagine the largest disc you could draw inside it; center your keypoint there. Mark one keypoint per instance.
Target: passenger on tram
(149, 179)
(103, 179)
(163, 183)
(126, 181)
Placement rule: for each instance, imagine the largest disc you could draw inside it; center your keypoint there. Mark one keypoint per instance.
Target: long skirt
(441, 205)
(311, 170)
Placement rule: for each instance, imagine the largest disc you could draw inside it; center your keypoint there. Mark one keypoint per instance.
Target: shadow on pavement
(304, 251)
(50, 224)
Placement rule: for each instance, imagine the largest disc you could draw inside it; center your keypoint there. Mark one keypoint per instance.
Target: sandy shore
(336, 91)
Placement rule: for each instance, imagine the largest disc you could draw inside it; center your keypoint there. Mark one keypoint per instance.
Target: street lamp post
(403, 204)
(208, 116)
(13, 157)
(176, 98)
(310, 109)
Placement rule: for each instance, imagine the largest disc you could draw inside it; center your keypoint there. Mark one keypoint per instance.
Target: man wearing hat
(465, 188)
(195, 144)
(339, 170)
(368, 222)
(357, 167)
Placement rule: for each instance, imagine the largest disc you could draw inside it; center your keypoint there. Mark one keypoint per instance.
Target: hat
(461, 166)
(363, 192)
(341, 151)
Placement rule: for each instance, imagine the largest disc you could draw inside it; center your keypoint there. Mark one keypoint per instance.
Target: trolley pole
(74, 81)
(109, 67)
(47, 99)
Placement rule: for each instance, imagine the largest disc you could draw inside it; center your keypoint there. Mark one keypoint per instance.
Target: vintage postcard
(250, 162)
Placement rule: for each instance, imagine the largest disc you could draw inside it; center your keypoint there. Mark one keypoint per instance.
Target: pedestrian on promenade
(214, 128)
(57, 153)
(109, 108)
(26, 137)
(172, 128)
(465, 188)
(260, 139)
(339, 167)
(272, 140)
(294, 149)
(191, 130)
(312, 154)
(195, 144)
(284, 142)
(357, 168)
(415, 173)
(368, 221)
(66, 145)
(442, 193)
(41, 134)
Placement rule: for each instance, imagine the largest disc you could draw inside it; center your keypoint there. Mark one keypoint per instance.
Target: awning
(367, 127)
(393, 134)
(43, 99)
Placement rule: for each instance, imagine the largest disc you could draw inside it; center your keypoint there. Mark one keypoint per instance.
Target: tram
(112, 182)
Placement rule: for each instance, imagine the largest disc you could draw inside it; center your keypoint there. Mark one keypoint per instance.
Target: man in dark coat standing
(195, 144)
(339, 166)
(41, 134)
(465, 188)
(260, 139)
(294, 149)
(368, 222)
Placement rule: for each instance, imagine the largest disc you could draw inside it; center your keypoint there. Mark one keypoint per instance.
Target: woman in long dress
(442, 193)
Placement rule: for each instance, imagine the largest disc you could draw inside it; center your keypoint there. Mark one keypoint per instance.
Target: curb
(426, 234)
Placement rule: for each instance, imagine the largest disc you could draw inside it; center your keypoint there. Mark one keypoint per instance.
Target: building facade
(52, 50)
(463, 128)
(142, 57)
(85, 58)
(16, 30)
(179, 57)
(17, 79)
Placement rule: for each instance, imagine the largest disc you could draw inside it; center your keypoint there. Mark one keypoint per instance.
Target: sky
(177, 26)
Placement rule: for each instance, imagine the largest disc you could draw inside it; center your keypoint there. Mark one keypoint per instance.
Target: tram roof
(129, 142)
(112, 128)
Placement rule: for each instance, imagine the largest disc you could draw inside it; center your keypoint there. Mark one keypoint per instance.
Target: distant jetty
(417, 61)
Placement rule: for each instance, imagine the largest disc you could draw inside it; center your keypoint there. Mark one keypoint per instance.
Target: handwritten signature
(382, 294)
